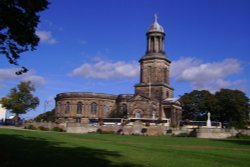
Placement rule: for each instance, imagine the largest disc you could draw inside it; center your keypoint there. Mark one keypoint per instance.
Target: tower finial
(156, 17)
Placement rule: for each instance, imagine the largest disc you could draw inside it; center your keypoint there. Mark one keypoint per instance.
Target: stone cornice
(154, 84)
(85, 95)
(151, 56)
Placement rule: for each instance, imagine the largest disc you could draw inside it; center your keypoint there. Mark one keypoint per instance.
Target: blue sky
(94, 46)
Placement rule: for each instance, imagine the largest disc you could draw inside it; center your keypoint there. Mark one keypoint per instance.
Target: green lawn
(37, 148)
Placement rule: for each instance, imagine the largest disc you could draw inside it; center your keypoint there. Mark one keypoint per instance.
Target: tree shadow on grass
(17, 150)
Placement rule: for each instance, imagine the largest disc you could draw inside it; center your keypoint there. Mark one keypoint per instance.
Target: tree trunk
(16, 119)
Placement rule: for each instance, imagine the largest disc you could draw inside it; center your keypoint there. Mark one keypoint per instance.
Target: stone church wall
(93, 105)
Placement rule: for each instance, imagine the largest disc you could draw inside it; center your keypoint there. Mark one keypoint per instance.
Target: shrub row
(42, 128)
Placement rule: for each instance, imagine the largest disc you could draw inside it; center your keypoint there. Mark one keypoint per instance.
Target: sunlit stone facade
(153, 98)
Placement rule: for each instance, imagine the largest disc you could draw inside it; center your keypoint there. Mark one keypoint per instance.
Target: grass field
(36, 148)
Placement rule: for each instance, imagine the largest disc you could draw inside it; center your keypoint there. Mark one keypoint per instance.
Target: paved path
(11, 127)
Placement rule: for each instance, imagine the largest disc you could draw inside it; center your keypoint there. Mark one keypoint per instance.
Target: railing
(196, 124)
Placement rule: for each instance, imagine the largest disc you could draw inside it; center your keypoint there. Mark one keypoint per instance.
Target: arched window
(106, 110)
(167, 94)
(165, 75)
(67, 107)
(149, 74)
(152, 48)
(79, 107)
(124, 109)
(93, 108)
(78, 120)
(59, 107)
(137, 115)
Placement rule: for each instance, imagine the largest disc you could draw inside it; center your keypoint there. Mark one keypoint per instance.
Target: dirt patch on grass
(241, 149)
(196, 147)
(92, 140)
(127, 143)
(208, 147)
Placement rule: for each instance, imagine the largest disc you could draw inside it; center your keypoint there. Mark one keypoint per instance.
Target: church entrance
(167, 112)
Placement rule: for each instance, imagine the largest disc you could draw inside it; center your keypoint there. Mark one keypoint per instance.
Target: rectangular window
(165, 75)
(78, 120)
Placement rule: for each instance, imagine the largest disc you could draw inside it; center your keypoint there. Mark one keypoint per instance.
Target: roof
(171, 100)
(156, 27)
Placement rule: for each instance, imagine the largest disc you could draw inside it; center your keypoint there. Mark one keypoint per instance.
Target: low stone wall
(124, 130)
(244, 131)
(212, 133)
(209, 133)
(80, 128)
(143, 130)
(140, 129)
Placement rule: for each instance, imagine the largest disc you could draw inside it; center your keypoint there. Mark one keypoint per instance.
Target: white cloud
(9, 74)
(46, 37)
(35, 79)
(209, 76)
(107, 70)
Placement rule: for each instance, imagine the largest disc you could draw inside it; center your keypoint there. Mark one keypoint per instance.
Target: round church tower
(154, 76)
(153, 97)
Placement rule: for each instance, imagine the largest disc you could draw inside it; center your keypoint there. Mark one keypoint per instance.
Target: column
(163, 45)
(155, 44)
(160, 44)
(141, 77)
(148, 44)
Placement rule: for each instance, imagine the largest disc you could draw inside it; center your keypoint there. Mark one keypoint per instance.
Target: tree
(48, 116)
(119, 112)
(197, 104)
(233, 107)
(20, 100)
(18, 20)
(226, 106)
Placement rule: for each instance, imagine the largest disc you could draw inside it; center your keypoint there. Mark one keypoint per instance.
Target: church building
(153, 97)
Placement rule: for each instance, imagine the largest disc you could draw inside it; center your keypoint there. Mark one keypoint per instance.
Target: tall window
(137, 115)
(167, 94)
(67, 107)
(79, 108)
(152, 44)
(78, 120)
(149, 74)
(124, 109)
(93, 108)
(165, 75)
(58, 107)
(106, 110)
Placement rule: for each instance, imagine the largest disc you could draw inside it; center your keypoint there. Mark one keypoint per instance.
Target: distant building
(2, 113)
(153, 97)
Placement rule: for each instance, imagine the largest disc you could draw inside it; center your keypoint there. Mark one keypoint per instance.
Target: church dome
(156, 27)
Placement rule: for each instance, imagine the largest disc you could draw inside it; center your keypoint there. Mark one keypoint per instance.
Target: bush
(31, 127)
(43, 128)
(144, 130)
(119, 131)
(99, 131)
(182, 135)
(57, 129)
(242, 136)
(169, 131)
(108, 132)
